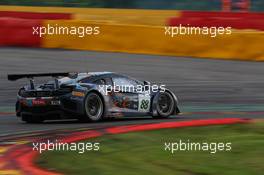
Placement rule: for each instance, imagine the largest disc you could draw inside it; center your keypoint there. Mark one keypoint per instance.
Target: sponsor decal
(124, 101)
(38, 102)
(55, 102)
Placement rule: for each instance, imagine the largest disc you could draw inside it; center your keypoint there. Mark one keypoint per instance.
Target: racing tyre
(31, 119)
(94, 107)
(165, 105)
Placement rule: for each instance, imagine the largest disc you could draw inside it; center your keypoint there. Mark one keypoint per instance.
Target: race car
(91, 96)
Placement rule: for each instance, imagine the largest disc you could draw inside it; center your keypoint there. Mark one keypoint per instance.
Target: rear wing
(14, 77)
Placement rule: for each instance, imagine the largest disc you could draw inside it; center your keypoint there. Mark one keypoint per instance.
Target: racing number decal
(143, 103)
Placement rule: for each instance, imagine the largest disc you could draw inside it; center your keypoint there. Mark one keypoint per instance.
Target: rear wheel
(94, 107)
(165, 105)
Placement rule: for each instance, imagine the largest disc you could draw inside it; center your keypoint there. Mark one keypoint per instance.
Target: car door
(127, 97)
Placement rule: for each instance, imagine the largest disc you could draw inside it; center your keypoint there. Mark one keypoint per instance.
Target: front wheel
(165, 105)
(94, 107)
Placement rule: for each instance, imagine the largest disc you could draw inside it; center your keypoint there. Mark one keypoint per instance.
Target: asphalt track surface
(206, 88)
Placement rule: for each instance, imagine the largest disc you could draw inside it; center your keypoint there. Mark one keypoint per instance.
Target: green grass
(143, 153)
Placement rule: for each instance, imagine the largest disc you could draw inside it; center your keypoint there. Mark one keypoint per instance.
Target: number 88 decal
(144, 104)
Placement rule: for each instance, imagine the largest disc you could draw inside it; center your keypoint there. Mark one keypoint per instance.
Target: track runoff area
(225, 91)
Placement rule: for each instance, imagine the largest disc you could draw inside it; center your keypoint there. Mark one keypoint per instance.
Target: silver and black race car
(91, 97)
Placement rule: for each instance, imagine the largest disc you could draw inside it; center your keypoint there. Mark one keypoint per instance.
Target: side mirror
(146, 85)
